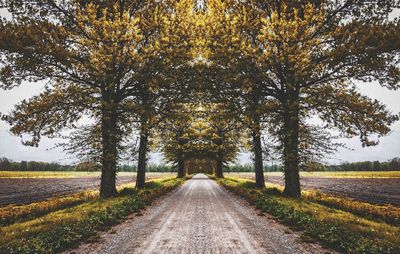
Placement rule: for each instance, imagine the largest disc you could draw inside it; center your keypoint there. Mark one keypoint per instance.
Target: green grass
(328, 174)
(51, 174)
(333, 227)
(353, 174)
(381, 213)
(17, 213)
(66, 228)
(73, 174)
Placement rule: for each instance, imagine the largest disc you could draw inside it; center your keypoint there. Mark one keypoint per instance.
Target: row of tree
(389, 165)
(9, 165)
(199, 79)
(250, 168)
(150, 168)
(105, 66)
(299, 59)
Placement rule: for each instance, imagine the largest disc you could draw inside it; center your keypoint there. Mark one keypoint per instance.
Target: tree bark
(109, 153)
(258, 160)
(181, 169)
(142, 157)
(219, 170)
(291, 147)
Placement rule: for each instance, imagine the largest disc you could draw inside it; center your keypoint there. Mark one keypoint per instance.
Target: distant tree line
(393, 164)
(9, 165)
(150, 168)
(389, 165)
(250, 168)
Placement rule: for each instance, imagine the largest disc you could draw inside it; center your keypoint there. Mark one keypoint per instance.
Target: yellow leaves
(288, 35)
(176, 24)
(198, 130)
(109, 38)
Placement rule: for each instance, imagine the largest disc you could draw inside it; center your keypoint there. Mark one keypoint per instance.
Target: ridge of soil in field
(200, 217)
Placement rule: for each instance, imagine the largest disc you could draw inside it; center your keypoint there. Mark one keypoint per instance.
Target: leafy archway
(206, 77)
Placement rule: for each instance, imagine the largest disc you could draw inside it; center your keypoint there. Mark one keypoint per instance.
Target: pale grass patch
(327, 174)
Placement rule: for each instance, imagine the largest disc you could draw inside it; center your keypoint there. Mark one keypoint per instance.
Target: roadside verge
(331, 227)
(66, 228)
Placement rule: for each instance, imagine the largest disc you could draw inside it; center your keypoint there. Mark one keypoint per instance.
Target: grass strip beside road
(353, 174)
(18, 213)
(381, 213)
(66, 228)
(326, 174)
(48, 174)
(62, 174)
(332, 227)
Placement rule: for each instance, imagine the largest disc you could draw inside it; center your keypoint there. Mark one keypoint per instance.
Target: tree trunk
(291, 147)
(258, 160)
(142, 157)
(109, 153)
(219, 170)
(181, 169)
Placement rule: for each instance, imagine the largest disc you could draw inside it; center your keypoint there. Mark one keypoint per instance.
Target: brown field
(25, 190)
(28, 190)
(372, 190)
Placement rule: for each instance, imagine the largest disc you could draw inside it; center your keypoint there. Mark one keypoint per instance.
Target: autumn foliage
(200, 79)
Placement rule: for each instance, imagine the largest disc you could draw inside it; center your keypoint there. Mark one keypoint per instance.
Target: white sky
(389, 146)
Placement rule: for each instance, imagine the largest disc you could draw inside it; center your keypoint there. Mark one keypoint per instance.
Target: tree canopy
(199, 77)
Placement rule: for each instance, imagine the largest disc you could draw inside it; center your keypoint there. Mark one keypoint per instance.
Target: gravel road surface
(200, 217)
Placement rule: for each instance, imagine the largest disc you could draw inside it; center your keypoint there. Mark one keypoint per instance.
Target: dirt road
(200, 217)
